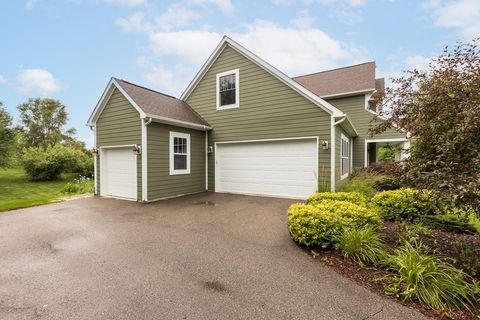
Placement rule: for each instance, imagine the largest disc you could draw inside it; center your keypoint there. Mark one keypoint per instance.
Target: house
(241, 126)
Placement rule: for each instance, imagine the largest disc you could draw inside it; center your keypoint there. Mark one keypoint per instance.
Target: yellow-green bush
(320, 224)
(353, 197)
(404, 204)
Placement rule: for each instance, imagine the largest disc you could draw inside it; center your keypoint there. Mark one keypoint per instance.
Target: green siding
(268, 109)
(355, 108)
(160, 183)
(119, 124)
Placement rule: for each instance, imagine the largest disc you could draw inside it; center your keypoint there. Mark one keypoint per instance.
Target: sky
(69, 49)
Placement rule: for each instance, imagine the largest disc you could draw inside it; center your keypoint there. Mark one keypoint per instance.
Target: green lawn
(17, 192)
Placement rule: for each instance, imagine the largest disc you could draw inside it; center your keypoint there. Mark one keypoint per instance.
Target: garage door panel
(280, 168)
(119, 173)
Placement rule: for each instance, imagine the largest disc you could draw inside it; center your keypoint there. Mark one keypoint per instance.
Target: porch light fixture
(210, 149)
(95, 151)
(137, 149)
(325, 145)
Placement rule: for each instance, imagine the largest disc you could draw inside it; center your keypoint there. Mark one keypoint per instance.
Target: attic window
(228, 89)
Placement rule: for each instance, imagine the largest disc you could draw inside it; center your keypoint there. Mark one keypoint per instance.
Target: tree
(440, 108)
(43, 122)
(7, 137)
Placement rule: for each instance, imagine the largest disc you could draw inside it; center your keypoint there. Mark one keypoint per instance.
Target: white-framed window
(179, 153)
(228, 89)
(344, 156)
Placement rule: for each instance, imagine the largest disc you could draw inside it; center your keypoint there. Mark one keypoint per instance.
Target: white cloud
(463, 15)
(345, 11)
(175, 16)
(29, 4)
(282, 2)
(2, 80)
(173, 80)
(294, 51)
(224, 5)
(352, 3)
(190, 46)
(303, 20)
(134, 23)
(37, 81)
(130, 3)
(418, 62)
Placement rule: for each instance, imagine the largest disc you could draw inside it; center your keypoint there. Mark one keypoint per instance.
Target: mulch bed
(447, 244)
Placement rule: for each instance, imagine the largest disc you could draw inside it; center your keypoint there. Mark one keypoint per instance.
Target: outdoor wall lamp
(137, 149)
(95, 151)
(325, 145)
(210, 149)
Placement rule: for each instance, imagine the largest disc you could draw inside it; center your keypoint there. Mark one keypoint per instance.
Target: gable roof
(329, 108)
(358, 78)
(151, 104)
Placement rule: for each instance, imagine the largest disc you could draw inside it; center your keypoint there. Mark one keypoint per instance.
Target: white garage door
(118, 167)
(285, 168)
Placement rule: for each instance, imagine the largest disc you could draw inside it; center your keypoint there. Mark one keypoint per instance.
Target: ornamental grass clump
(362, 245)
(319, 225)
(353, 197)
(421, 276)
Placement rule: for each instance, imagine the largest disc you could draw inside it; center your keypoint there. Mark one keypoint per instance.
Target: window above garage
(228, 92)
(179, 153)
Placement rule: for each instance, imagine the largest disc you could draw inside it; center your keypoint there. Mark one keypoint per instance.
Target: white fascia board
(266, 66)
(178, 123)
(106, 96)
(347, 94)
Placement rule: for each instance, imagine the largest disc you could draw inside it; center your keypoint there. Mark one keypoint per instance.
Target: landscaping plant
(362, 245)
(318, 225)
(361, 182)
(353, 197)
(419, 275)
(404, 204)
(80, 185)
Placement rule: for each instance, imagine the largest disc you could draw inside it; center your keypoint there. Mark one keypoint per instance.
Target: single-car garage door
(118, 173)
(286, 168)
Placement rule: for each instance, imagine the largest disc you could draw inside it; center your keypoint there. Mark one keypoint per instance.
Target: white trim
(346, 94)
(317, 138)
(329, 108)
(266, 140)
(103, 172)
(178, 123)
(107, 93)
(173, 135)
(206, 160)
(367, 141)
(236, 72)
(144, 160)
(332, 154)
(175, 196)
(344, 138)
(95, 156)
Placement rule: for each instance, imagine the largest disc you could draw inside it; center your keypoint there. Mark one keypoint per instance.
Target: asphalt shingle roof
(158, 104)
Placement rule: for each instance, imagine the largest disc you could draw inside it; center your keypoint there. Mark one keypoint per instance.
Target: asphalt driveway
(205, 256)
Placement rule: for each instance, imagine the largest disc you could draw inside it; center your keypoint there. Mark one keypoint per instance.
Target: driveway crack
(373, 314)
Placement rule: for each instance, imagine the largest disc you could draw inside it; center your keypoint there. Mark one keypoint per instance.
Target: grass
(16, 191)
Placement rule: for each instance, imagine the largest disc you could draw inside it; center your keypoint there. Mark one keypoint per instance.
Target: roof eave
(179, 123)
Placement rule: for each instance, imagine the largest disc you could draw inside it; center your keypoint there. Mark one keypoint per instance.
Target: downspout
(332, 154)
(144, 158)
(94, 160)
(206, 160)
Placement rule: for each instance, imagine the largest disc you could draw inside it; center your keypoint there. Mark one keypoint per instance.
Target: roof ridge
(334, 69)
(139, 86)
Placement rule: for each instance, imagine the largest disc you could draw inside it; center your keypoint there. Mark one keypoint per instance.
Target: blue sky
(69, 49)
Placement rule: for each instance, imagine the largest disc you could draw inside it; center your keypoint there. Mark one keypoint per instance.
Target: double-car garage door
(286, 168)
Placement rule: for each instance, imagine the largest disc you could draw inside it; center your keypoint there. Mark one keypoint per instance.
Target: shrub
(387, 183)
(353, 197)
(362, 245)
(362, 183)
(50, 163)
(79, 186)
(411, 232)
(404, 204)
(318, 225)
(450, 222)
(424, 277)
